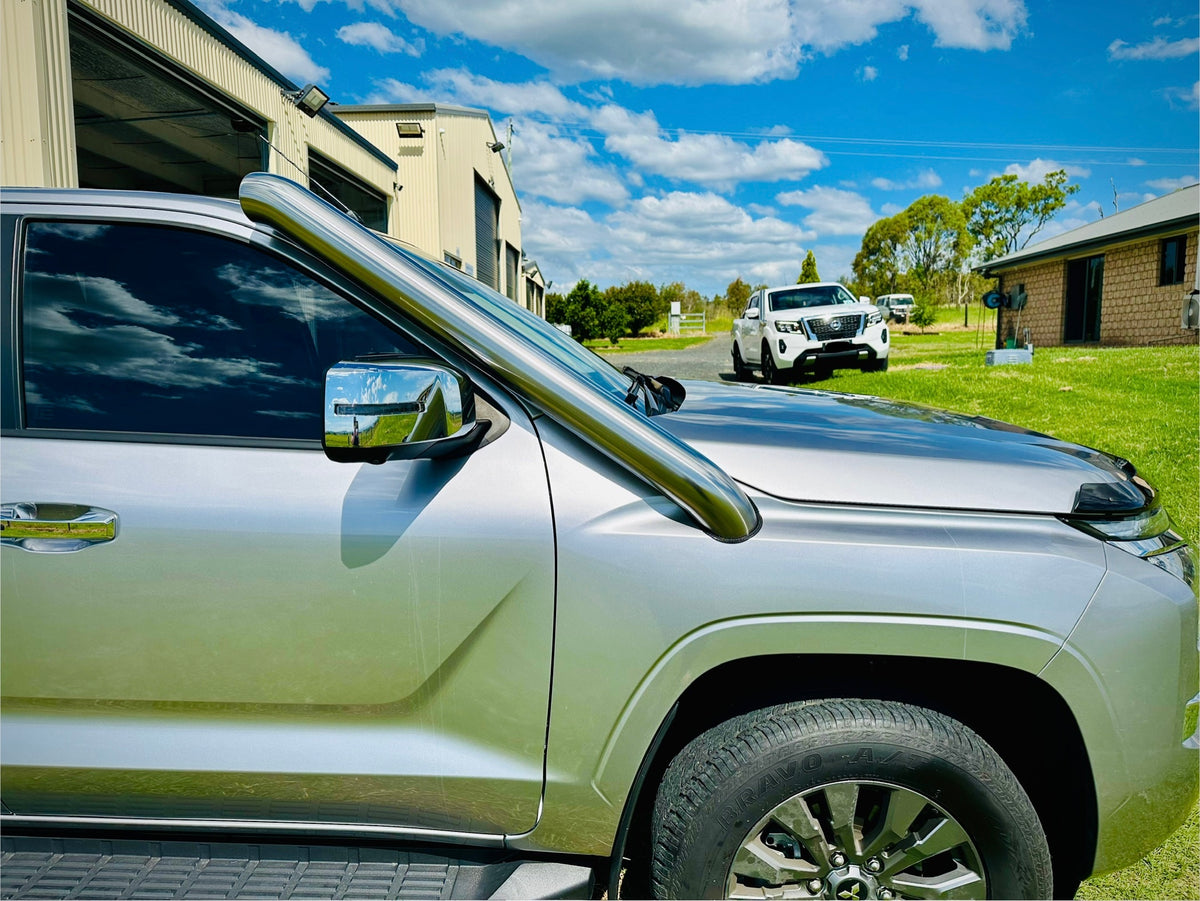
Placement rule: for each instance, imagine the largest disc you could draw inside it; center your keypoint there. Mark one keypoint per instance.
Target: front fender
(1013, 646)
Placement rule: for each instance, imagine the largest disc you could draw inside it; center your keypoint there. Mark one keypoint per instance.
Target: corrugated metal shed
(438, 171)
(37, 138)
(37, 100)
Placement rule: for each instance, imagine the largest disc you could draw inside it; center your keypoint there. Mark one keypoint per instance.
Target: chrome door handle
(55, 528)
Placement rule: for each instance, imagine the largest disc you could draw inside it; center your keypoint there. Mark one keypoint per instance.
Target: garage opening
(140, 125)
(487, 225)
(330, 180)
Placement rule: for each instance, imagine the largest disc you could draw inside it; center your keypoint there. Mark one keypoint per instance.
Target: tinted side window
(133, 328)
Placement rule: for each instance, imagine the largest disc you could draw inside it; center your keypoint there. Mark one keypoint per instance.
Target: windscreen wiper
(662, 393)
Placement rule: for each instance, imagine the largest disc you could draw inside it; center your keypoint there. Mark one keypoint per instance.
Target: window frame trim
(1180, 268)
(258, 238)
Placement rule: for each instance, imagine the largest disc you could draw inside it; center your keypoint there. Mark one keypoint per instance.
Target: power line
(584, 130)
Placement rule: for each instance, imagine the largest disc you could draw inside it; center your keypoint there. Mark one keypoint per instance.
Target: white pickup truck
(819, 326)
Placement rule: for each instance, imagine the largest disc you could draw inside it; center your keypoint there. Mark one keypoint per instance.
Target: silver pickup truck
(324, 562)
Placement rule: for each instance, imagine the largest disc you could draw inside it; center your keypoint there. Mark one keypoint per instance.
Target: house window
(1174, 257)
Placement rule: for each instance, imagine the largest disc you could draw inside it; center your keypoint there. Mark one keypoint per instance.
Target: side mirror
(400, 408)
(752, 313)
(864, 300)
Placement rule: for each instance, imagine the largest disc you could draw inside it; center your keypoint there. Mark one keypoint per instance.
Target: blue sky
(699, 141)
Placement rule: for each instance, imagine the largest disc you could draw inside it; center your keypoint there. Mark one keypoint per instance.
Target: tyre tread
(715, 757)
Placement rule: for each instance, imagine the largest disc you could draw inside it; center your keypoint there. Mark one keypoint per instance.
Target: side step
(43, 867)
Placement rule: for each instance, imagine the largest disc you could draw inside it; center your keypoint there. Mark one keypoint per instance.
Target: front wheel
(845, 799)
(770, 372)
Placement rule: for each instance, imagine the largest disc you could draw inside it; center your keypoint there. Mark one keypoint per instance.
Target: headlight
(874, 317)
(1146, 534)
(785, 326)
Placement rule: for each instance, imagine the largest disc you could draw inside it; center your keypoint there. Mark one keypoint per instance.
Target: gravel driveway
(709, 361)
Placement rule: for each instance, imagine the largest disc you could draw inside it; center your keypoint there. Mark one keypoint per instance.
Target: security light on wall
(309, 99)
(409, 129)
(495, 146)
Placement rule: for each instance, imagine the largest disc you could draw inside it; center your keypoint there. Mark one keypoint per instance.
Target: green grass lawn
(1137, 402)
(631, 345)
(657, 339)
(1141, 403)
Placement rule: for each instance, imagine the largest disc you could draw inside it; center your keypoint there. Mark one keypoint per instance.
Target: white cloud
(869, 73)
(699, 238)
(278, 48)
(902, 52)
(1167, 185)
(562, 169)
(387, 7)
(684, 42)
(372, 34)
(389, 90)
(1159, 48)
(834, 212)
(692, 42)
(1039, 168)
(716, 161)
(973, 24)
(1073, 215)
(1135, 161)
(1189, 96)
(926, 180)
(505, 98)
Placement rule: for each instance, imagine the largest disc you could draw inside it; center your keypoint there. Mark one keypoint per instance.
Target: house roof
(1171, 212)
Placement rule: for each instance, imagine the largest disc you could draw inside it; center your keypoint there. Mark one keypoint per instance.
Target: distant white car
(895, 306)
(819, 326)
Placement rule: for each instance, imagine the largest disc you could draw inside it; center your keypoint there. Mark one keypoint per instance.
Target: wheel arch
(1022, 717)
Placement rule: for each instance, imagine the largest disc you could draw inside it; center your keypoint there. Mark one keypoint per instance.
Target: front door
(1085, 288)
(268, 635)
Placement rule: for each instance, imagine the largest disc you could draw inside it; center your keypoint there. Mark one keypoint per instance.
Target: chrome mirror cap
(398, 408)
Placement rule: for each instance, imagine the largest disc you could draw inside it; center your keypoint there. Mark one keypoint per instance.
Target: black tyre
(845, 799)
(770, 372)
(876, 365)
(740, 371)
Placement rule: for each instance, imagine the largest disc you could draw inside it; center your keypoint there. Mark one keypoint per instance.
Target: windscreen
(529, 326)
(801, 297)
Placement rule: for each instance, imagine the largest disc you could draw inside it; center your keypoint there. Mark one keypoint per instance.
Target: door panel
(270, 635)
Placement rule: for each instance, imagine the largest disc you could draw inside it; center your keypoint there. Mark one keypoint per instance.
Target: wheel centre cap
(851, 884)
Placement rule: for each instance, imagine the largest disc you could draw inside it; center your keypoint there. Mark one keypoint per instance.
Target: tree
(879, 266)
(587, 312)
(937, 240)
(737, 295)
(641, 302)
(808, 270)
(690, 300)
(922, 315)
(1006, 213)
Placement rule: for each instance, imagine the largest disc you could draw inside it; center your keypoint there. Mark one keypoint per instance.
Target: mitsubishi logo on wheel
(852, 890)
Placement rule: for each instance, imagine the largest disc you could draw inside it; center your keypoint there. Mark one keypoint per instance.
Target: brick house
(1127, 279)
